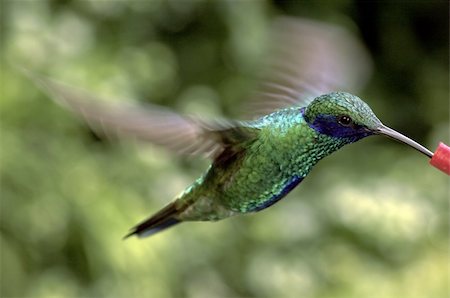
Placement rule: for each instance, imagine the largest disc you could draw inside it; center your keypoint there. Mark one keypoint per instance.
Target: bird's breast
(270, 169)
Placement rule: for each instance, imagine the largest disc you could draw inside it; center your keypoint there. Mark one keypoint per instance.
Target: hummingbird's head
(347, 117)
(341, 115)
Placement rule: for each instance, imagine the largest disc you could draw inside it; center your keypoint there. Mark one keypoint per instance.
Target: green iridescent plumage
(254, 163)
(282, 147)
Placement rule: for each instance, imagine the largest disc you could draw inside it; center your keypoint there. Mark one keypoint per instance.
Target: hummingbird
(304, 111)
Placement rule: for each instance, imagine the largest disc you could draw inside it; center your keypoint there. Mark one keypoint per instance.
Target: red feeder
(441, 158)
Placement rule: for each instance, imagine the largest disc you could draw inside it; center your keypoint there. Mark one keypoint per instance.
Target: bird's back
(265, 170)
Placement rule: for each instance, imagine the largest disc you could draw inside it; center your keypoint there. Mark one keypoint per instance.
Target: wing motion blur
(307, 59)
(187, 135)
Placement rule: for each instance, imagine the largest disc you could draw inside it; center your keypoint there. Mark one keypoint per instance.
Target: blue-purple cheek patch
(329, 125)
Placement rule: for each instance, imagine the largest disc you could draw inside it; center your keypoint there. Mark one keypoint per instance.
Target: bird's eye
(345, 120)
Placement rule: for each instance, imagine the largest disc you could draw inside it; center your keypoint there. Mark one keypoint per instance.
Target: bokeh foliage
(370, 221)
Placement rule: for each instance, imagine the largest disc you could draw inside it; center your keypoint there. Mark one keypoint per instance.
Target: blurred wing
(155, 124)
(310, 58)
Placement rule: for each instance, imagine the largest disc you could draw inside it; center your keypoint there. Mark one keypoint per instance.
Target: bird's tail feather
(162, 220)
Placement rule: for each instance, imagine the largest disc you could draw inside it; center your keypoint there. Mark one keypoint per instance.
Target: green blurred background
(370, 220)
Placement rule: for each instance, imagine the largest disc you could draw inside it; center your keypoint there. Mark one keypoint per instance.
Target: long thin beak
(384, 130)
